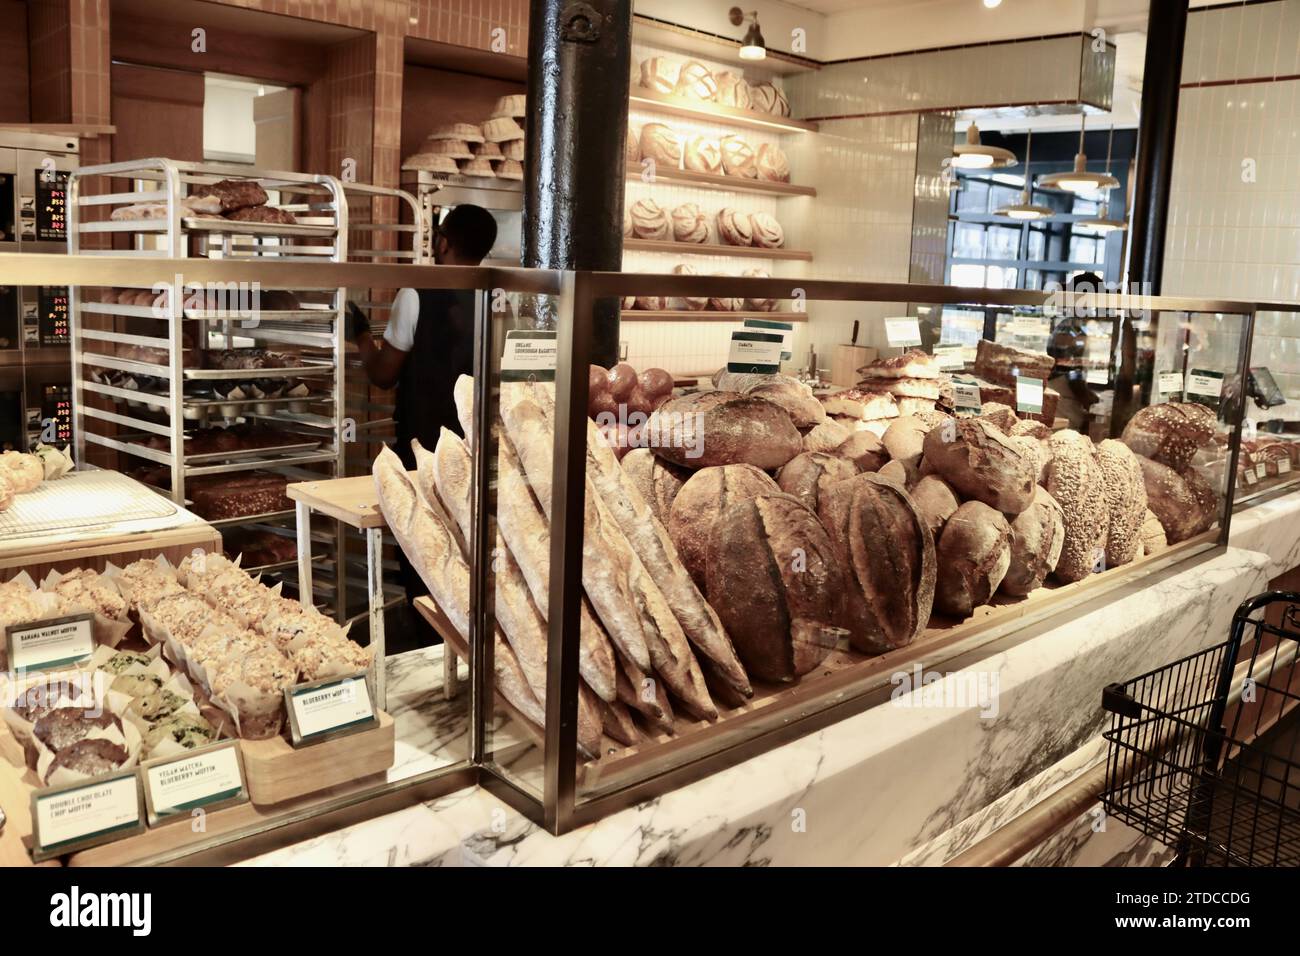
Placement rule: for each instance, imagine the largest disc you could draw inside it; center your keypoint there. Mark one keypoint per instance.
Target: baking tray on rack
(311, 367)
(211, 403)
(196, 224)
(263, 315)
(243, 454)
(82, 501)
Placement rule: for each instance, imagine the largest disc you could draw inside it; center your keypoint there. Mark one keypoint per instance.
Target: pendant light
(753, 46)
(1079, 180)
(975, 155)
(1025, 210)
(1102, 221)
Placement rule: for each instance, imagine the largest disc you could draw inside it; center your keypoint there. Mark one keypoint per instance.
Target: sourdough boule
(1184, 502)
(904, 439)
(865, 450)
(973, 555)
(936, 501)
(1037, 534)
(701, 500)
(805, 475)
(980, 463)
(723, 428)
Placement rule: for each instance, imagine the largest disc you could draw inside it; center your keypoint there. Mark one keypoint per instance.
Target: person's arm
(383, 362)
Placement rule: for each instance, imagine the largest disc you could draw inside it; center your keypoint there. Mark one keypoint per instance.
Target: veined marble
(1273, 528)
(878, 786)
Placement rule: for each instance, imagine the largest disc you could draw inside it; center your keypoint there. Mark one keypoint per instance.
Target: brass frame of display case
(559, 808)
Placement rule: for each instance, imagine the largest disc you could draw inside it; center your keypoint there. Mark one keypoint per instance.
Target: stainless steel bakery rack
(143, 371)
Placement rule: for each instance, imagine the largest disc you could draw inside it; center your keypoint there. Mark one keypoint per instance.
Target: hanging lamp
(1102, 221)
(975, 155)
(1025, 210)
(1079, 180)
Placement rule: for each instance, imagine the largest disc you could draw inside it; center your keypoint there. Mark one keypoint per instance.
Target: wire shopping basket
(1202, 752)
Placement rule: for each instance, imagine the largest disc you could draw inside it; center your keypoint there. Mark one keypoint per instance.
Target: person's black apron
(443, 350)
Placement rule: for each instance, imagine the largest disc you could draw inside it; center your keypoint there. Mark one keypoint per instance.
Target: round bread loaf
(738, 158)
(865, 450)
(826, 437)
(657, 480)
(699, 501)
(660, 74)
(649, 221)
(901, 474)
(660, 143)
(651, 303)
(764, 98)
(982, 464)
(802, 406)
(690, 224)
(1184, 503)
(725, 303)
(973, 555)
(1037, 534)
(733, 90)
(1153, 534)
(806, 474)
(904, 439)
(734, 228)
(772, 164)
(724, 428)
(631, 146)
(777, 584)
(1126, 501)
(1074, 478)
(888, 557)
(24, 471)
(1004, 416)
(759, 305)
(6, 493)
(767, 232)
(690, 303)
(695, 82)
(1170, 433)
(703, 155)
(936, 502)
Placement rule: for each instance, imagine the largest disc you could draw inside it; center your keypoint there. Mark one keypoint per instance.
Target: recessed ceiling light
(991, 4)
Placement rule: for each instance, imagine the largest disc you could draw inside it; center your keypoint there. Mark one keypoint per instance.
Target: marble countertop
(909, 781)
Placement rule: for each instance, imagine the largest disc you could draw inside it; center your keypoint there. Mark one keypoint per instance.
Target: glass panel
(1037, 243)
(1000, 278)
(973, 196)
(1003, 196)
(1004, 242)
(968, 241)
(1273, 395)
(1083, 249)
(967, 275)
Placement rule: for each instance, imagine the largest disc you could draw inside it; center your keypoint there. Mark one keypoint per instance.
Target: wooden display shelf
(350, 500)
(39, 556)
(842, 673)
(276, 772)
(708, 249)
(649, 100)
(708, 315)
(718, 183)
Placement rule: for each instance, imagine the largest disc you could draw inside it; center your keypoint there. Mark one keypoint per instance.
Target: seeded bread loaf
(1126, 501)
(1074, 478)
(1170, 433)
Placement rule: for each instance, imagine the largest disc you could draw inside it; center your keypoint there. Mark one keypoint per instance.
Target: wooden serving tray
(275, 771)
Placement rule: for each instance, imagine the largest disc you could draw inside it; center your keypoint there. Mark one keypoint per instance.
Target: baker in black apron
(427, 345)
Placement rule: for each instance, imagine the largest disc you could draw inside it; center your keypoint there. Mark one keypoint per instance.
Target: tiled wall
(1234, 213)
(472, 22)
(50, 49)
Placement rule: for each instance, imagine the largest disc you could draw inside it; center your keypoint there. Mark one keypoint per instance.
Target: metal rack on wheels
(141, 375)
(1203, 752)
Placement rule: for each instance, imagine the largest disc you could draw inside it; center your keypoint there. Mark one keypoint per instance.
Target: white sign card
(785, 328)
(1029, 395)
(756, 352)
(1170, 383)
(324, 709)
(529, 356)
(1030, 325)
(950, 357)
(79, 815)
(903, 332)
(1283, 466)
(966, 397)
(1261, 470)
(204, 778)
(57, 642)
(1207, 384)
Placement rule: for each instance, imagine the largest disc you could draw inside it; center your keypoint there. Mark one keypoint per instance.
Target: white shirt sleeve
(402, 317)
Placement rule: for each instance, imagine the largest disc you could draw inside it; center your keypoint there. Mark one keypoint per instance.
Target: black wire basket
(1202, 752)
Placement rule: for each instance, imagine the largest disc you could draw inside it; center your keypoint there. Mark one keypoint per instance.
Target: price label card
(903, 332)
(786, 329)
(57, 642)
(1261, 470)
(1029, 395)
(950, 357)
(966, 397)
(1283, 466)
(1170, 383)
(205, 778)
(529, 356)
(1205, 383)
(84, 814)
(324, 709)
(1250, 477)
(1097, 376)
(1029, 325)
(755, 351)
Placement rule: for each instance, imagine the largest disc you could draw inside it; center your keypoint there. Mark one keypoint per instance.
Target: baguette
(649, 539)
(462, 394)
(617, 721)
(449, 470)
(439, 503)
(645, 695)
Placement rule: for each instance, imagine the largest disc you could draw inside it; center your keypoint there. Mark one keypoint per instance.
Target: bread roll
(1183, 502)
(649, 221)
(733, 90)
(657, 480)
(734, 229)
(1037, 535)
(935, 501)
(865, 450)
(1074, 478)
(766, 231)
(690, 303)
(826, 437)
(759, 305)
(796, 398)
(659, 74)
(973, 555)
(980, 463)
(1153, 534)
(888, 557)
(771, 164)
(1171, 433)
(776, 581)
(695, 82)
(690, 224)
(738, 158)
(703, 155)
(1126, 501)
(904, 439)
(701, 499)
(660, 143)
(806, 474)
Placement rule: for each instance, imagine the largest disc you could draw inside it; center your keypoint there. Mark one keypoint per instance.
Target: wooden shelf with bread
(718, 182)
(708, 315)
(709, 249)
(670, 104)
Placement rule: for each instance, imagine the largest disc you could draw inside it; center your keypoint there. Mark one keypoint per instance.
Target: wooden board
(719, 183)
(351, 500)
(666, 103)
(16, 801)
(843, 673)
(276, 772)
(707, 249)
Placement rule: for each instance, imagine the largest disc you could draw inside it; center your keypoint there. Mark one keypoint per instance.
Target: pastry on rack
(265, 214)
(233, 193)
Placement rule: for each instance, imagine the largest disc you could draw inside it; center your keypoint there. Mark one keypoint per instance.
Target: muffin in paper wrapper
(28, 697)
(108, 629)
(21, 602)
(128, 738)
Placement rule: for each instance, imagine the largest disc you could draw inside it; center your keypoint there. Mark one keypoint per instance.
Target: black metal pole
(1166, 33)
(579, 64)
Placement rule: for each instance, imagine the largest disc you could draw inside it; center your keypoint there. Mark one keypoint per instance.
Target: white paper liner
(107, 630)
